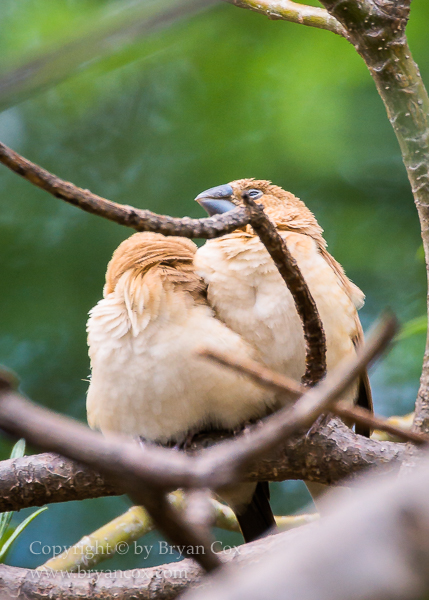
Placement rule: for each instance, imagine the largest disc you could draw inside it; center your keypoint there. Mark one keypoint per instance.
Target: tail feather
(364, 400)
(257, 518)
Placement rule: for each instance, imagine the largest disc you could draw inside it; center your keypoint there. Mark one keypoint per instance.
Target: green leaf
(413, 327)
(6, 546)
(17, 452)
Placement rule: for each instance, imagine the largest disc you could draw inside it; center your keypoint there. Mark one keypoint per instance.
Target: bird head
(143, 251)
(286, 210)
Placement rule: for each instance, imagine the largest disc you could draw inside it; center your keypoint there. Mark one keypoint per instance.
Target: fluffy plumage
(248, 294)
(147, 380)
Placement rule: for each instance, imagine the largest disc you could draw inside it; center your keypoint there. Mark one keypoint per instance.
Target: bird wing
(364, 398)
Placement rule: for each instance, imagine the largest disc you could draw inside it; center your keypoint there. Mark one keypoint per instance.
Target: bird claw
(186, 443)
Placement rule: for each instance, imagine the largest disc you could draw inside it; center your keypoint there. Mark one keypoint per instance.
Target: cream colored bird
(147, 380)
(249, 296)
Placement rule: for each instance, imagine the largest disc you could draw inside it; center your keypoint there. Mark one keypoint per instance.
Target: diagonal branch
(102, 544)
(315, 341)
(161, 469)
(289, 387)
(232, 458)
(129, 466)
(294, 12)
(136, 218)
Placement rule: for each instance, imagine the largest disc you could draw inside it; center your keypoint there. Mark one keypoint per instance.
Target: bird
(248, 294)
(148, 382)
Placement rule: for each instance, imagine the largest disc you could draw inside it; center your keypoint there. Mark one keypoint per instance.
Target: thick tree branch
(373, 546)
(377, 30)
(155, 583)
(294, 12)
(136, 218)
(328, 456)
(49, 478)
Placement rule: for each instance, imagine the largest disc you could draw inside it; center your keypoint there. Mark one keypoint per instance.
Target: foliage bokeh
(223, 95)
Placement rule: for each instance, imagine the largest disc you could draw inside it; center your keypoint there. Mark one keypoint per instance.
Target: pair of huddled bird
(164, 298)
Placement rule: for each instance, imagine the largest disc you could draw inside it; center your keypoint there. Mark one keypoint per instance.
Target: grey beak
(215, 200)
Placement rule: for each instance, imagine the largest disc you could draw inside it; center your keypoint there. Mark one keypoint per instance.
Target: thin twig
(294, 12)
(175, 525)
(283, 384)
(135, 523)
(136, 218)
(315, 351)
(232, 461)
(259, 373)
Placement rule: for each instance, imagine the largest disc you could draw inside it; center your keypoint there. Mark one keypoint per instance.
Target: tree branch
(327, 456)
(294, 12)
(232, 458)
(102, 544)
(163, 469)
(48, 478)
(377, 30)
(136, 218)
(315, 341)
(373, 546)
(289, 387)
(164, 582)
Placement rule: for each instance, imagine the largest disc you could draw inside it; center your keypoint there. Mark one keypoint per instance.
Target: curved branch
(294, 12)
(136, 218)
(315, 340)
(377, 30)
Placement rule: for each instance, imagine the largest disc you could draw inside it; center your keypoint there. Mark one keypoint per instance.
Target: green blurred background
(221, 95)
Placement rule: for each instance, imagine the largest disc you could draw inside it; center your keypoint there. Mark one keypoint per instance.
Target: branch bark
(328, 456)
(294, 12)
(136, 218)
(161, 469)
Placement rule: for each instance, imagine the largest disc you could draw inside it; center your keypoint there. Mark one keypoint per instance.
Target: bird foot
(246, 427)
(187, 441)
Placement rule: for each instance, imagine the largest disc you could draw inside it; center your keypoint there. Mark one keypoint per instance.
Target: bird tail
(364, 400)
(257, 518)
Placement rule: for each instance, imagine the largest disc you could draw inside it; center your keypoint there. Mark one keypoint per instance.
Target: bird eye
(255, 194)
